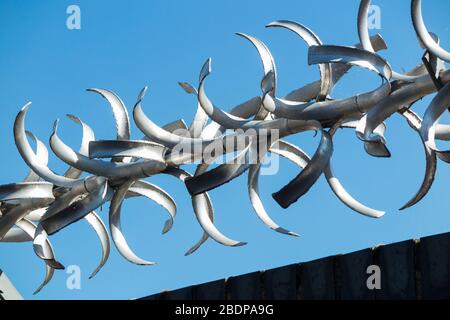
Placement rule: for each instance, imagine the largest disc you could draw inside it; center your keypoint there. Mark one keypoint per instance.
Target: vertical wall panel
(245, 287)
(281, 283)
(396, 262)
(214, 290)
(434, 262)
(317, 279)
(351, 270)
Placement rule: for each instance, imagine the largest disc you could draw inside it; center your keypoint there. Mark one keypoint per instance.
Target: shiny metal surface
(113, 171)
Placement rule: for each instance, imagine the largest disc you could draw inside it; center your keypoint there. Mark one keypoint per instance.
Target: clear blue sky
(125, 45)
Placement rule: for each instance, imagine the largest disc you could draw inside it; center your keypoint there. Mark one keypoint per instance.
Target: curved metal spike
(415, 122)
(119, 111)
(29, 228)
(423, 34)
(438, 105)
(216, 114)
(363, 33)
(284, 149)
(155, 193)
(41, 155)
(31, 159)
(268, 65)
(311, 39)
(100, 229)
(203, 212)
(116, 229)
(199, 208)
(87, 137)
(349, 55)
(309, 175)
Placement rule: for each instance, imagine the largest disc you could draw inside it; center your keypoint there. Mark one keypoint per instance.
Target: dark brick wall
(413, 269)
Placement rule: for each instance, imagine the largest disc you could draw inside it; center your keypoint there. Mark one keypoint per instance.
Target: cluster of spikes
(46, 202)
